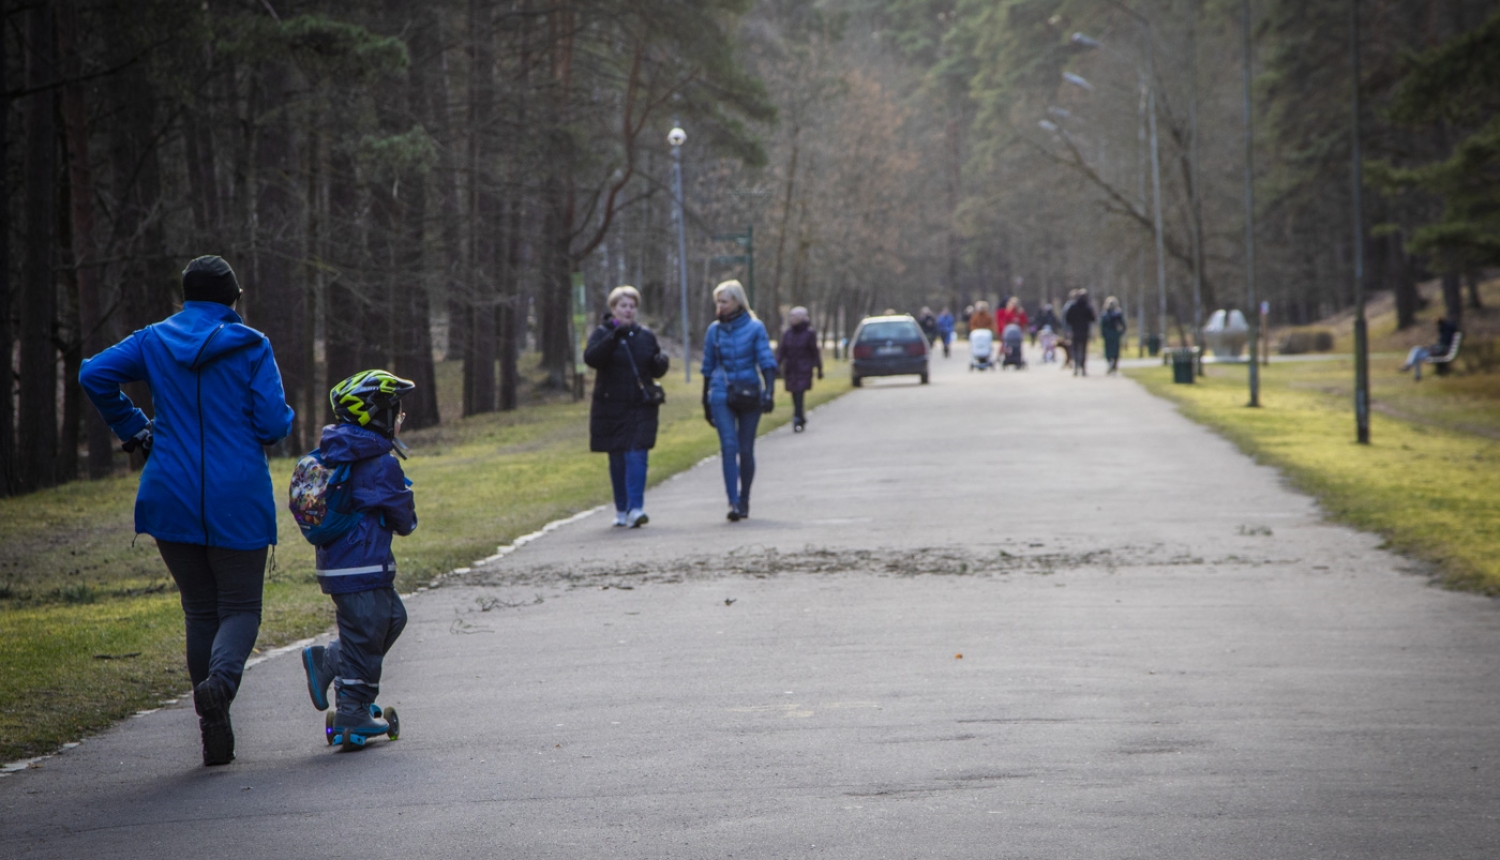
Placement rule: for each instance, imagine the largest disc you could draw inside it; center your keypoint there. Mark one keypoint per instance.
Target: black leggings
(221, 599)
(797, 398)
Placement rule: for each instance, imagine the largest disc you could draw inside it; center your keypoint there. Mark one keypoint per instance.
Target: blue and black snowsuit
(358, 569)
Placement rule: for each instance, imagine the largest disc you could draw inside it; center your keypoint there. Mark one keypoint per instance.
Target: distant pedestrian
(205, 492)
(799, 356)
(1047, 317)
(1011, 313)
(737, 357)
(928, 323)
(982, 319)
(357, 570)
(1080, 317)
(945, 330)
(1112, 329)
(1447, 331)
(1047, 340)
(623, 414)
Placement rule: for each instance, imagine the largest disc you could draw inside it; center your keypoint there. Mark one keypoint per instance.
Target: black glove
(141, 440)
(620, 331)
(767, 402)
(708, 412)
(820, 373)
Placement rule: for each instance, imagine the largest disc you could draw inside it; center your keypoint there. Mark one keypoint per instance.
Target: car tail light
(917, 348)
(863, 350)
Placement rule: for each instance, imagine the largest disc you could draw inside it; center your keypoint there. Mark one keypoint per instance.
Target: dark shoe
(211, 700)
(734, 514)
(799, 424)
(745, 504)
(318, 676)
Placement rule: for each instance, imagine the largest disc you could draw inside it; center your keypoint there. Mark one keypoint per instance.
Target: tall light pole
(677, 137)
(1361, 344)
(1251, 309)
(1148, 94)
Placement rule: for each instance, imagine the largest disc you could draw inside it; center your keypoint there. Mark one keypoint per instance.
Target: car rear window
(889, 331)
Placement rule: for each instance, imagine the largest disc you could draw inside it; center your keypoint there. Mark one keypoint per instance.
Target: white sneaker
(637, 518)
(620, 519)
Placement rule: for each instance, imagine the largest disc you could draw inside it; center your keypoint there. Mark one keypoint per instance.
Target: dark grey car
(888, 346)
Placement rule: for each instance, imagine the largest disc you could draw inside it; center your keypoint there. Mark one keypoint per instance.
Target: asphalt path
(1018, 615)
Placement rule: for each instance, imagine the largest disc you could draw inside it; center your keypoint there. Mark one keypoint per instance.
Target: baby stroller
(1011, 347)
(981, 349)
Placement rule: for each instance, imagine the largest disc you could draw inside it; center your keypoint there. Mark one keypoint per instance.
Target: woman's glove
(141, 440)
(708, 412)
(820, 373)
(767, 402)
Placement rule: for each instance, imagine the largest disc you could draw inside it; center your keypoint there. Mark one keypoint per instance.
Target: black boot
(745, 503)
(211, 700)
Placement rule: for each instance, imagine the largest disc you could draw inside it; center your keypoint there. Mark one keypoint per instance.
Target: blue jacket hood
(350, 443)
(204, 331)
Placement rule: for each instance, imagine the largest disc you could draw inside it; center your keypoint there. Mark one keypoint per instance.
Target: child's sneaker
(319, 677)
(352, 730)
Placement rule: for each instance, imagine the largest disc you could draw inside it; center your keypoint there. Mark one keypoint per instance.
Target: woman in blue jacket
(737, 357)
(205, 493)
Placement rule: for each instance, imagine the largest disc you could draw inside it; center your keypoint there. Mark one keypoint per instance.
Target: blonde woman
(622, 418)
(737, 358)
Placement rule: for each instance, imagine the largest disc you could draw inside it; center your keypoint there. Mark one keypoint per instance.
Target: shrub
(1301, 341)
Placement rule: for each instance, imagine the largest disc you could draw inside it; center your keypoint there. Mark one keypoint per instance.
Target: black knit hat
(209, 279)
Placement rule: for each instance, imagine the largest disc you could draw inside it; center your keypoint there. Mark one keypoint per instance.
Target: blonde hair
(621, 292)
(736, 291)
(1111, 302)
(1013, 303)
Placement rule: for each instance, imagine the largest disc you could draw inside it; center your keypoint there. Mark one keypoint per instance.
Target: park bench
(1442, 361)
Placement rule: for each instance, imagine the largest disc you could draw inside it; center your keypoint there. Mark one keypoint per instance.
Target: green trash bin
(1182, 366)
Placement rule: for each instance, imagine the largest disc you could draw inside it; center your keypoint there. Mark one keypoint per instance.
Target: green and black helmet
(370, 398)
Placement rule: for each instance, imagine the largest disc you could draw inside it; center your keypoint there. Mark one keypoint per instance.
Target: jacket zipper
(203, 441)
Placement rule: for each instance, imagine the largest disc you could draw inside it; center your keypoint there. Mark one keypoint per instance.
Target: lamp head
(676, 137)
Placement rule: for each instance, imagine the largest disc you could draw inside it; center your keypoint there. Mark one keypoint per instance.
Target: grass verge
(1427, 480)
(90, 629)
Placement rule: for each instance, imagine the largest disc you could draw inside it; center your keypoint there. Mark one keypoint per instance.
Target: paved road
(1164, 654)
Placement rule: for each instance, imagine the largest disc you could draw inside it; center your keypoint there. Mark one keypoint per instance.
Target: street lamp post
(1361, 343)
(676, 137)
(1251, 309)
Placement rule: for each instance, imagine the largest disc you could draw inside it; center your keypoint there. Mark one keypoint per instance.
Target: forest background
(399, 184)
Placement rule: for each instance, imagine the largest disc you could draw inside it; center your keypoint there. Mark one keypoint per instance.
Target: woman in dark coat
(1112, 329)
(1080, 317)
(798, 355)
(622, 423)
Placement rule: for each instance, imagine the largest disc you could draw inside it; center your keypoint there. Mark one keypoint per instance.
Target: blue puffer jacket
(218, 399)
(738, 349)
(362, 558)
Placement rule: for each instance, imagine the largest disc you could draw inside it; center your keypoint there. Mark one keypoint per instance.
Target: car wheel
(855, 381)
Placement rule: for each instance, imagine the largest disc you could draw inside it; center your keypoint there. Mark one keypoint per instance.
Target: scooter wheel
(395, 723)
(328, 727)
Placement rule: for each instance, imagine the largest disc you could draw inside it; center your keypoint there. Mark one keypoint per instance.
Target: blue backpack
(320, 499)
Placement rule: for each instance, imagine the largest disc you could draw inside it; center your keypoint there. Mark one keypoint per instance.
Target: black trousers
(221, 601)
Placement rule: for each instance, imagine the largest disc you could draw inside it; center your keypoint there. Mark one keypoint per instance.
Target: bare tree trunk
(345, 317)
(414, 335)
(7, 336)
(95, 332)
(38, 406)
(1473, 278)
(1403, 288)
(479, 358)
(1453, 298)
(279, 298)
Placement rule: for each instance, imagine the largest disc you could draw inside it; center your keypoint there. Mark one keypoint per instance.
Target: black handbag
(738, 396)
(651, 393)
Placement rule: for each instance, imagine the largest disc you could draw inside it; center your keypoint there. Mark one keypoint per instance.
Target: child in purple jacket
(358, 569)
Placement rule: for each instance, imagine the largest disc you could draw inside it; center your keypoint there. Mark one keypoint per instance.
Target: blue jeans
(736, 448)
(370, 622)
(627, 472)
(221, 601)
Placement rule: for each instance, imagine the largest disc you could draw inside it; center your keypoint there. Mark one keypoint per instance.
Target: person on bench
(1446, 332)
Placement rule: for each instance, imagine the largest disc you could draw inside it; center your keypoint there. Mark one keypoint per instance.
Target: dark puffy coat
(218, 399)
(798, 355)
(1080, 317)
(619, 419)
(361, 559)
